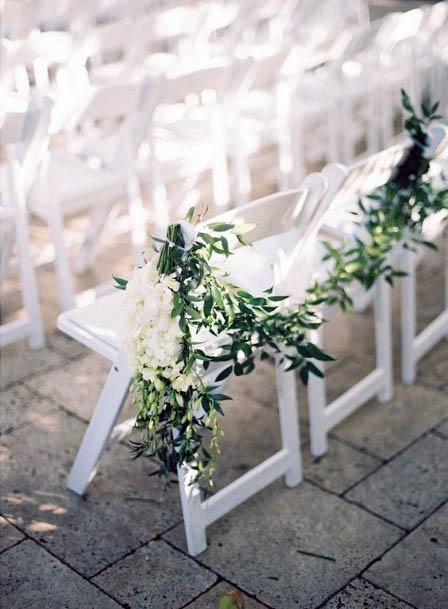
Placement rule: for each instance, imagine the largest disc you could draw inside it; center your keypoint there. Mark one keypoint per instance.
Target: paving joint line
(220, 577)
(66, 564)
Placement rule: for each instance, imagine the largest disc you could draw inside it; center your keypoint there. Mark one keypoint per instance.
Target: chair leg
(408, 318)
(190, 496)
(289, 422)
(137, 219)
(242, 179)
(63, 270)
(220, 171)
(36, 339)
(107, 410)
(101, 220)
(383, 338)
(317, 400)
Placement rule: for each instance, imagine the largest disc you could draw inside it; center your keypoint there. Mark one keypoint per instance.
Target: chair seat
(99, 325)
(73, 182)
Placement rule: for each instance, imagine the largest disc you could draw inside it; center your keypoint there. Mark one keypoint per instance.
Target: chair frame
(21, 171)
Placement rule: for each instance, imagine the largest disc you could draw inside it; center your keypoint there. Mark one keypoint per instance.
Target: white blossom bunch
(153, 337)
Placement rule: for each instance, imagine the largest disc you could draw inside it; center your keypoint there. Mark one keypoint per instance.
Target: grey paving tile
(19, 362)
(210, 599)
(411, 486)
(9, 535)
(360, 594)
(350, 333)
(33, 579)
(384, 429)
(432, 370)
(155, 576)
(416, 569)
(87, 533)
(443, 428)
(346, 374)
(19, 406)
(85, 377)
(65, 345)
(287, 548)
(251, 435)
(340, 468)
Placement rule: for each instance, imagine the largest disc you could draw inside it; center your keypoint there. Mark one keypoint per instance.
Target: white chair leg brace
(323, 416)
(197, 514)
(414, 346)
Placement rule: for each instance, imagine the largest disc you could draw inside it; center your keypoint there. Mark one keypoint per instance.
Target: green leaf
(120, 283)
(208, 305)
(224, 374)
(318, 354)
(220, 227)
(220, 397)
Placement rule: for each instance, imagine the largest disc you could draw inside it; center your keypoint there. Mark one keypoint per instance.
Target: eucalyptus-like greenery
(224, 330)
(392, 214)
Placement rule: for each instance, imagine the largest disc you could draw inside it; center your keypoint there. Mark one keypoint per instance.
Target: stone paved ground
(368, 529)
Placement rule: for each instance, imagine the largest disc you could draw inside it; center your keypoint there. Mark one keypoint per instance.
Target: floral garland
(391, 215)
(189, 327)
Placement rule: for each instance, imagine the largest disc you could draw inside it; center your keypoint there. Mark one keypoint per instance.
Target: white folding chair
(414, 346)
(29, 64)
(185, 139)
(287, 221)
(71, 184)
(363, 178)
(25, 138)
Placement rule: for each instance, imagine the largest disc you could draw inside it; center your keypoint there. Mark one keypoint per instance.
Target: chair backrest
(25, 137)
(287, 224)
(130, 105)
(26, 62)
(217, 77)
(375, 170)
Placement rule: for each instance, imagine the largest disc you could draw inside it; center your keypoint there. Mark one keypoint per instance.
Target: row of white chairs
(288, 228)
(107, 157)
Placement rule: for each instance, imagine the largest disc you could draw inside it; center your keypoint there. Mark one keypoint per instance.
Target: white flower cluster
(153, 336)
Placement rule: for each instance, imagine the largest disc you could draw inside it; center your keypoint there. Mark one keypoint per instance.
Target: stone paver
(385, 429)
(360, 594)
(19, 406)
(19, 362)
(33, 579)
(87, 533)
(412, 485)
(416, 569)
(9, 535)
(155, 576)
(251, 435)
(210, 599)
(443, 429)
(66, 346)
(285, 547)
(341, 467)
(83, 377)
(433, 369)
